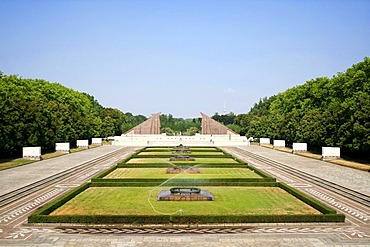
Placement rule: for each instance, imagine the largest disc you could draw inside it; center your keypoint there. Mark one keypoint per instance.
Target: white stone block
(96, 141)
(62, 147)
(83, 143)
(298, 147)
(33, 153)
(330, 152)
(264, 140)
(279, 143)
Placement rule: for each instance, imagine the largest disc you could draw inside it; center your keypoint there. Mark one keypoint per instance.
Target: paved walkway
(18, 177)
(204, 240)
(348, 177)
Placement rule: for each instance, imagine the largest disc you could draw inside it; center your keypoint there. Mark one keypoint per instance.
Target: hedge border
(142, 165)
(264, 175)
(199, 181)
(307, 199)
(190, 183)
(167, 219)
(42, 215)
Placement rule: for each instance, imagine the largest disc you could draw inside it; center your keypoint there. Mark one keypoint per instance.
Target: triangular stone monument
(212, 127)
(149, 127)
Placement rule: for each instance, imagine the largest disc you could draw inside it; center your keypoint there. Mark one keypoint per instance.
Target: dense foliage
(180, 126)
(39, 113)
(322, 112)
(191, 126)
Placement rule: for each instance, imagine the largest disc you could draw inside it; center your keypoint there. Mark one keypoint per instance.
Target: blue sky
(182, 57)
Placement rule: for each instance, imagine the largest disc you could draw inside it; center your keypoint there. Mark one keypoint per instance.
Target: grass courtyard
(143, 201)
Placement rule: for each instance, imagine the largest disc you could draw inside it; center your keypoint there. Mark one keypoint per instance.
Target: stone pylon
(149, 127)
(212, 127)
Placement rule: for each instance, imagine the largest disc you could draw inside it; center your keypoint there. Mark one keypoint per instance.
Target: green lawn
(197, 161)
(207, 173)
(11, 163)
(143, 201)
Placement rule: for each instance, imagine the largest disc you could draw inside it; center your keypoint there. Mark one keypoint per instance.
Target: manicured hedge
(187, 183)
(146, 165)
(184, 180)
(42, 215)
(235, 158)
(50, 207)
(106, 172)
(259, 172)
(158, 165)
(130, 157)
(177, 219)
(307, 199)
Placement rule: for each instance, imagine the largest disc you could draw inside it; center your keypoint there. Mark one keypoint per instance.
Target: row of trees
(36, 112)
(180, 126)
(191, 126)
(322, 112)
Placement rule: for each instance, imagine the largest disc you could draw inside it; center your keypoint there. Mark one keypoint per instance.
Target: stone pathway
(18, 177)
(348, 177)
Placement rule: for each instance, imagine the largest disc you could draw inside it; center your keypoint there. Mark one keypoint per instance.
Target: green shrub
(184, 183)
(184, 180)
(177, 219)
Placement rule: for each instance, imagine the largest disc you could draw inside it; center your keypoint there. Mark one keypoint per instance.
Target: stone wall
(165, 141)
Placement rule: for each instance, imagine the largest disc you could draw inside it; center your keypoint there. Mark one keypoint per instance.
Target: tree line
(36, 112)
(322, 112)
(179, 126)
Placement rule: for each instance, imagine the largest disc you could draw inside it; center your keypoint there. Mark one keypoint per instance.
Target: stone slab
(264, 140)
(330, 152)
(279, 143)
(62, 147)
(96, 141)
(33, 153)
(82, 143)
(297, 146)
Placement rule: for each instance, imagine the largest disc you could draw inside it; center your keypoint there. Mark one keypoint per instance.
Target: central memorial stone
(181, 147)
(181, 151)
(185, 194)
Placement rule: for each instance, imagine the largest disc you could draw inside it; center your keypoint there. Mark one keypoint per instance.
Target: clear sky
(182, 57)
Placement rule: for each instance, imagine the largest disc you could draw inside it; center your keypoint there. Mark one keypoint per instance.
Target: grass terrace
(195, 162)
(161, 173)
(143, 201)
(128, 193)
